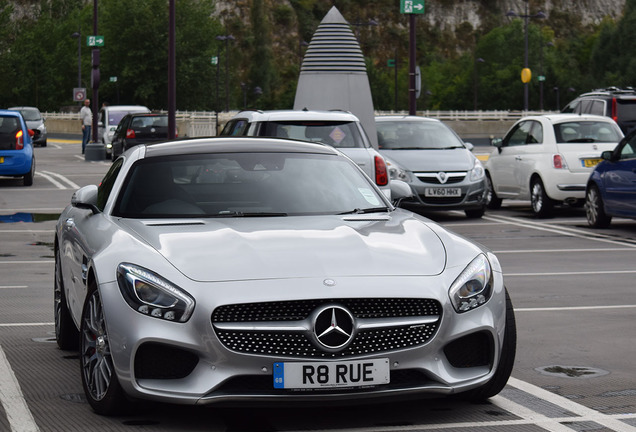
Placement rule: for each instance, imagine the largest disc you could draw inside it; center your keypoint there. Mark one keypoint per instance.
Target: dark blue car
(611, 188)
(16, 147)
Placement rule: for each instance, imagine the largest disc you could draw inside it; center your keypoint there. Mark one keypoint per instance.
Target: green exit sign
(412, 6)
(95, 41)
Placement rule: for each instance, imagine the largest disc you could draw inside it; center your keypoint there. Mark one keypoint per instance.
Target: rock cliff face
(449, 14)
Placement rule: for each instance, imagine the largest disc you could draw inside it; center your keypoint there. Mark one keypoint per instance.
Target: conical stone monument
(333, 74)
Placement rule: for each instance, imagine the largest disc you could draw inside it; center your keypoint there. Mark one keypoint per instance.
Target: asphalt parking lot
(572, 288)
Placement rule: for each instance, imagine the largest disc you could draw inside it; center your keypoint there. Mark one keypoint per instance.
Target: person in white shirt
(86, 116)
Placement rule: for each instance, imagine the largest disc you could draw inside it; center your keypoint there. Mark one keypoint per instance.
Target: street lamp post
(526, 17)
(476, 77)
(78, 35)
(359, 23)
(227, 39)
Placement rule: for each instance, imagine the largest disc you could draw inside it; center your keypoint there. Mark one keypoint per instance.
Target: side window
(519, 135)
(629, 149)
(585, 106)
(598, 107)
(235, 128)
(105, 187)
(535, 136)
(571, 107)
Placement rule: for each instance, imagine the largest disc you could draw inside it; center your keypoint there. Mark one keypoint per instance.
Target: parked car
(611, 189)
(614, 102)
(109, 118)
(34, 120)
(440, 168)
(547, 159)
(261, 269)
(135, 129)
(339, 129)
(17, 158)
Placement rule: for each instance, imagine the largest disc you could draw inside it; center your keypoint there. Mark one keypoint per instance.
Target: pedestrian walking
(86, 116)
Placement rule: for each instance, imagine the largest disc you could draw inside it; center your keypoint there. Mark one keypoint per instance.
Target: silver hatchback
(440, 168)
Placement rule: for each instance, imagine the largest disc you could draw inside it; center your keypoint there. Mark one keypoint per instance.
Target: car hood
(295, 247)
(459, 159)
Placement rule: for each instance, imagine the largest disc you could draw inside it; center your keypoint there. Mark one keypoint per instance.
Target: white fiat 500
(547, 159)
(261, 269)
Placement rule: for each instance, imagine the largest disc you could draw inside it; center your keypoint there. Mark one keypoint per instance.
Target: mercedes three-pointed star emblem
(333, 327)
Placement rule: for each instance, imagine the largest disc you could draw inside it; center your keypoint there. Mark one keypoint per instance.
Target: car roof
(125, 107)
(23, 107)
(296, 115)
(236, 145)
(405, 118)
(10, 113)
(564, 117)
(145, 114)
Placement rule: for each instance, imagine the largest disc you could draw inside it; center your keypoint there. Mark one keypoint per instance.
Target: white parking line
(61, 177)
(13, 286)
(12, 400)
(51, 179)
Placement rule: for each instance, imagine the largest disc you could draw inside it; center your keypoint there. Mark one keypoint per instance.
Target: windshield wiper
(248, 214)
(365, 210)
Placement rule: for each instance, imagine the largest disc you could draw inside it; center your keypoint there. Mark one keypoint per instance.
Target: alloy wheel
(97, 363)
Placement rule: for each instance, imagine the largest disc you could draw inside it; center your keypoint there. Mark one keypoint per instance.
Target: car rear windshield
(626, 109)
(9, 128)
(587, 132)
(340, 134)
(408, 135)
(245, 185)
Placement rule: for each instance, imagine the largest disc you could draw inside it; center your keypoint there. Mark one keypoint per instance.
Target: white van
(109, 117)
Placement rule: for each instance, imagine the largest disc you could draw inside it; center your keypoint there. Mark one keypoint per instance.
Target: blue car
(16, 147)
(611, 188)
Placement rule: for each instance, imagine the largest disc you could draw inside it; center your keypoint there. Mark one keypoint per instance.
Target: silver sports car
(259, 269)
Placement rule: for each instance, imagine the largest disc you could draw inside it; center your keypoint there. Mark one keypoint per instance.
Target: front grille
(431, 178)
(297, 344)
(441, 200)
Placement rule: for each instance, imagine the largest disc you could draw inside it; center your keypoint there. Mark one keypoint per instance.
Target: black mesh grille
(435, 180)
(470, 351)
(294, 344)
(441, 200)
(156, 361)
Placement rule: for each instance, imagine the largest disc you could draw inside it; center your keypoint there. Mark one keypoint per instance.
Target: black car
(619, 104)
(139, 128)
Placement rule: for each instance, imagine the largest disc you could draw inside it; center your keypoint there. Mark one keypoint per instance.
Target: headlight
(396, 172)
(477, 173)
(473, 287)
(152, 295)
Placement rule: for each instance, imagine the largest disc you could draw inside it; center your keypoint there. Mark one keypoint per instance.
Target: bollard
(95, 151)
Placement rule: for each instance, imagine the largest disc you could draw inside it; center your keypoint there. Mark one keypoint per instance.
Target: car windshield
(30, 114)
(246, 185)
(410, 135)
(340, 134)
(587, 132)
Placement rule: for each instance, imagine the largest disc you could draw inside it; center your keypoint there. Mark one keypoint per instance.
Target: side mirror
(100, 124)
(399, 191)
(607, 155)
(496, 142)
(469, 146)
(86, 198)
(31, 132)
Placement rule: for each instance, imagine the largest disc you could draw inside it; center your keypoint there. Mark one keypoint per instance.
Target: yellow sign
(526, 75)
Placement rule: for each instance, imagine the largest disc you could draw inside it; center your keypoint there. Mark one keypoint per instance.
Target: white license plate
(442, 192)
(307, 375)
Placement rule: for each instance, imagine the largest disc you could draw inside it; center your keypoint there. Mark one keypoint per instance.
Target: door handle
(518, 158)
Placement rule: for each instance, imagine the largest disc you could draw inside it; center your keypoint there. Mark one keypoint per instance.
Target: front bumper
(189, 363)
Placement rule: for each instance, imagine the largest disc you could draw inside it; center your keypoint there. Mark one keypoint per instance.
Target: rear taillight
(381, 173)
(130, 133)
(558, 162)
(19, 140)
(614, 111)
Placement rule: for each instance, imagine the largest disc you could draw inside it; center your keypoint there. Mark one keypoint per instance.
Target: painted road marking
(12, 400)
(64, 179)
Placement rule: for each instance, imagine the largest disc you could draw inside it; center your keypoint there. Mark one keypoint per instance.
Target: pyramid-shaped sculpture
(333, 74)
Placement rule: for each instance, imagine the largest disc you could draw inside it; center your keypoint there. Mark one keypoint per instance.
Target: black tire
(99, 379)
(595, 209)
(28, 177)
(493, 202)
(506, 360)
(43, 143)
(66, 333)
(542, 204)
(475, 213)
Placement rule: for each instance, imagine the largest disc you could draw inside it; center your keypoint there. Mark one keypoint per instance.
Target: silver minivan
(109, 118)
